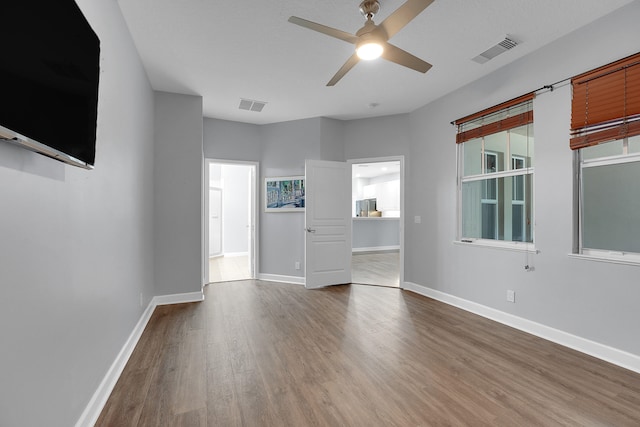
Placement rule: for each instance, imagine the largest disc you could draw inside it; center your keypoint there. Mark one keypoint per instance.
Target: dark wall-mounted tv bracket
(21, 140)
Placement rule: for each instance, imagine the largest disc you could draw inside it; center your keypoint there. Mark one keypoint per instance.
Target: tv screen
(49, 73)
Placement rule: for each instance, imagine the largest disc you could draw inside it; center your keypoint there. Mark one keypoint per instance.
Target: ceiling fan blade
(353, 60)
(342, 35)
(402, 57)
(402, 16)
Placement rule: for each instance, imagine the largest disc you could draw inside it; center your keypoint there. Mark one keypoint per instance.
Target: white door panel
(327, 221)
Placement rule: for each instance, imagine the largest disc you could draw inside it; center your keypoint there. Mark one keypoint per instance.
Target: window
(495, 173)
(605, 127)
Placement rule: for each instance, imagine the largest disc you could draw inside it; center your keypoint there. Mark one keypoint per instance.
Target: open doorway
(377, 223)
(230, 224)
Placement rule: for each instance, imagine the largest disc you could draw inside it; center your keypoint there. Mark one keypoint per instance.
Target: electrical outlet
(511, 295)
(297, 265)
(417, 219)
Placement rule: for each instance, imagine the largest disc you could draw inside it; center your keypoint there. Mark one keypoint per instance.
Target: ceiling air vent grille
(495, 50)
(251, 105)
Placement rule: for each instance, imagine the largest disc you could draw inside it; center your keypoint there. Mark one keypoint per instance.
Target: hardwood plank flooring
(270, 354)
(376, 268)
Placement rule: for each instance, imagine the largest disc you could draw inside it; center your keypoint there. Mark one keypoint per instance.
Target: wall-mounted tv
(49, 74)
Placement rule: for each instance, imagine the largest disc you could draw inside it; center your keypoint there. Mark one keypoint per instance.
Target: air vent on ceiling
(251, 105)
(495, 50)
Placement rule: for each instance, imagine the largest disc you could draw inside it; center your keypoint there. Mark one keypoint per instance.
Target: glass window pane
(518, 223)
(472, 193)
(498, 208)
(472, 157)
(634, 144)
(521, 139)
(495, 148)
(611, 207)
(606, 149)
(489, 221)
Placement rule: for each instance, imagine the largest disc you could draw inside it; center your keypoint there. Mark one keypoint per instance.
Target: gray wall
(76, 246)
(593, 300)
(231, 140)
(178, 181)
(281, 149)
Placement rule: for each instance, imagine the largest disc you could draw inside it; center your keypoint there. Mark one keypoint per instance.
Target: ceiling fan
(372, 40)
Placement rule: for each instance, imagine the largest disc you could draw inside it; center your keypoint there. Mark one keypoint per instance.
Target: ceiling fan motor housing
(369, 8)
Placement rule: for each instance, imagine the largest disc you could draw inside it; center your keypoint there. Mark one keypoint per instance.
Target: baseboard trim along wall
(99, 399)
(376, 249)
(282, 279)
(609, 354)
(177, 298)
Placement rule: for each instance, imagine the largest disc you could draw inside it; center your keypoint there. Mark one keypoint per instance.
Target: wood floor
(270, 354)
(376, 268)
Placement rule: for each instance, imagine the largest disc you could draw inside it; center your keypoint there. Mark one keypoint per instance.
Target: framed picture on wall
(284, 194)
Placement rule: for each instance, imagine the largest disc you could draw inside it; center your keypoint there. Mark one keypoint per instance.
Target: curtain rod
(545, 88)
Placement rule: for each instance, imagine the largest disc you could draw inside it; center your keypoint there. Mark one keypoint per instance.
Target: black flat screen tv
(49, 75)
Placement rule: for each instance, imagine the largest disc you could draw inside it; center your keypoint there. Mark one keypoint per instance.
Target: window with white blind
(495, 173)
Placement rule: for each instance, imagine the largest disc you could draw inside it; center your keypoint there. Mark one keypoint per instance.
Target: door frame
(254, 210)
(208, 216)
(400, 158)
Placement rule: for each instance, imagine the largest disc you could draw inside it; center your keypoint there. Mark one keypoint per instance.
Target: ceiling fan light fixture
(369, 50)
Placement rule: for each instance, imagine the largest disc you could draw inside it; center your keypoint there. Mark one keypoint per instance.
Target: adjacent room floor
(376, 268)
(260, 353)
(370, 268)
(225, 268)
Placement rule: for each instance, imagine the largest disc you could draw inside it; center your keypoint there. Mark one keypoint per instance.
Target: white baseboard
(99, 399)
(178, 298)
(282, 279)
(376, 249)
(601, 351)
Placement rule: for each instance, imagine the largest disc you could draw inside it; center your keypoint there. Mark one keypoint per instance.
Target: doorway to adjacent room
(230, 221)
(377, 223)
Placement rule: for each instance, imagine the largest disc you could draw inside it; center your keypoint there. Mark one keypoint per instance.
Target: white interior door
(327, 223)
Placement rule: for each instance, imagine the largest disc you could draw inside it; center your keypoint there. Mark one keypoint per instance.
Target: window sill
(501, 245)
(608, 259)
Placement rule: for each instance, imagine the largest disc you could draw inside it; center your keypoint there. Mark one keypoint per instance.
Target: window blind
(507, 115)
(606, 103)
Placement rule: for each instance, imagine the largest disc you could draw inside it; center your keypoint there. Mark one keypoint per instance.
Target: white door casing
(327, 223)
(215, 221)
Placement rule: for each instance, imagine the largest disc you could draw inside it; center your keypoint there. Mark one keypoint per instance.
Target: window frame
(605, 255)
(461, 179)
(504, 117)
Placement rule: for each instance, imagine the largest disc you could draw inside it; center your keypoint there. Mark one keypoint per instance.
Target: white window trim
(611, 160)
(602, 255)
(501, 174)
(498, 244)
(611, 257)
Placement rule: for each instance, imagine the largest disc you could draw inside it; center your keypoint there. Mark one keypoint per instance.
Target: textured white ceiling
(225, 50)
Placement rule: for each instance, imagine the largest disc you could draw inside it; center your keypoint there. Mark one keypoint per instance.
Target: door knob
(310, 230)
